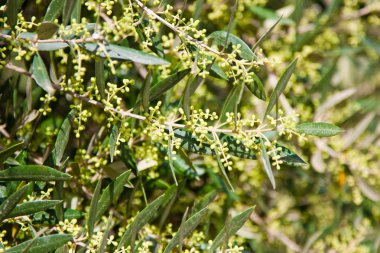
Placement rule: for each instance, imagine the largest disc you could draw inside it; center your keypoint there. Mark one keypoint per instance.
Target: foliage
(154, 126)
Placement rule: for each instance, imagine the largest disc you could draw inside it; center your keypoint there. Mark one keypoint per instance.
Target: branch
(123, 113)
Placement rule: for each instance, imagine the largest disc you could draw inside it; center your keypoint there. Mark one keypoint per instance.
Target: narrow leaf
(54, 10)
(11, 202)
(93, 209)
(161, 87)
(13, 7)
(204, 202)
(145, 91)
(111, 193)
(10, 150)
(32, 207)
(236, 148)
(47, 46)
(99, 74)
(40, 74)
(265, 35)
(125, 53)
(188, 227)
(236, 223)
(140, 220)
(67, 10)
(42, 244)
(63, 138)
(320, 129)
(219, 38)
(280, 87)
(32, 173)
(113, 140)
(257, 88)
(266, 163)
(46, 30)
(231, 101)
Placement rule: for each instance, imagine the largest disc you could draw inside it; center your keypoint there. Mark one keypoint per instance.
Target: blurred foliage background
(331, 205)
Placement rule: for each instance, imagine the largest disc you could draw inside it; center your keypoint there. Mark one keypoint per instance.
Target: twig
(175, 29)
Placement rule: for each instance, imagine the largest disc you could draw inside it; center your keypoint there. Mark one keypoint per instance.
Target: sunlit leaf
(257, 88)
(40, 74)
(32, 173)
(235, 148)
(219, 38)
(231, 101)
(111, 193)
(140, 220)
(161, 87)
(11, 202)
(266, 163)
(188, 227)
(93, 209)
(42, 244)
(99, 74)
(63, 138)
(113, 140)
(204, 202)
(125, 53)
(54, 10)
(280, 87)
(32, 207)
(236, 223)
(320, 129)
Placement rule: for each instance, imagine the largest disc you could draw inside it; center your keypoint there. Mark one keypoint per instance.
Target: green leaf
(140, 220)
(232, 100)
(204, 202)
(145, 91)
(113, 140)
(320, 129)
(47, 46)
(13, 7)
(219, 38)
(54, 10)
(161, 87)
(99, 74)
(236, 223)
(266, 163)
(280, 87)
(93, 208)
(8, 151)
(257, 88)
(42, 244)
(236, 148)
(32, 173)
(32, 207)
(265, 35)
(11, 202)
(266, 13)
(125, 53)
(67, 10)
(188, 227)
(111, 193)
(63, 138)
(217, 71)
(46, 30)
(40, 74)
(224, 172)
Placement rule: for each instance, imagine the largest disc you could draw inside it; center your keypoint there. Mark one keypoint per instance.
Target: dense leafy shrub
(153, 126)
